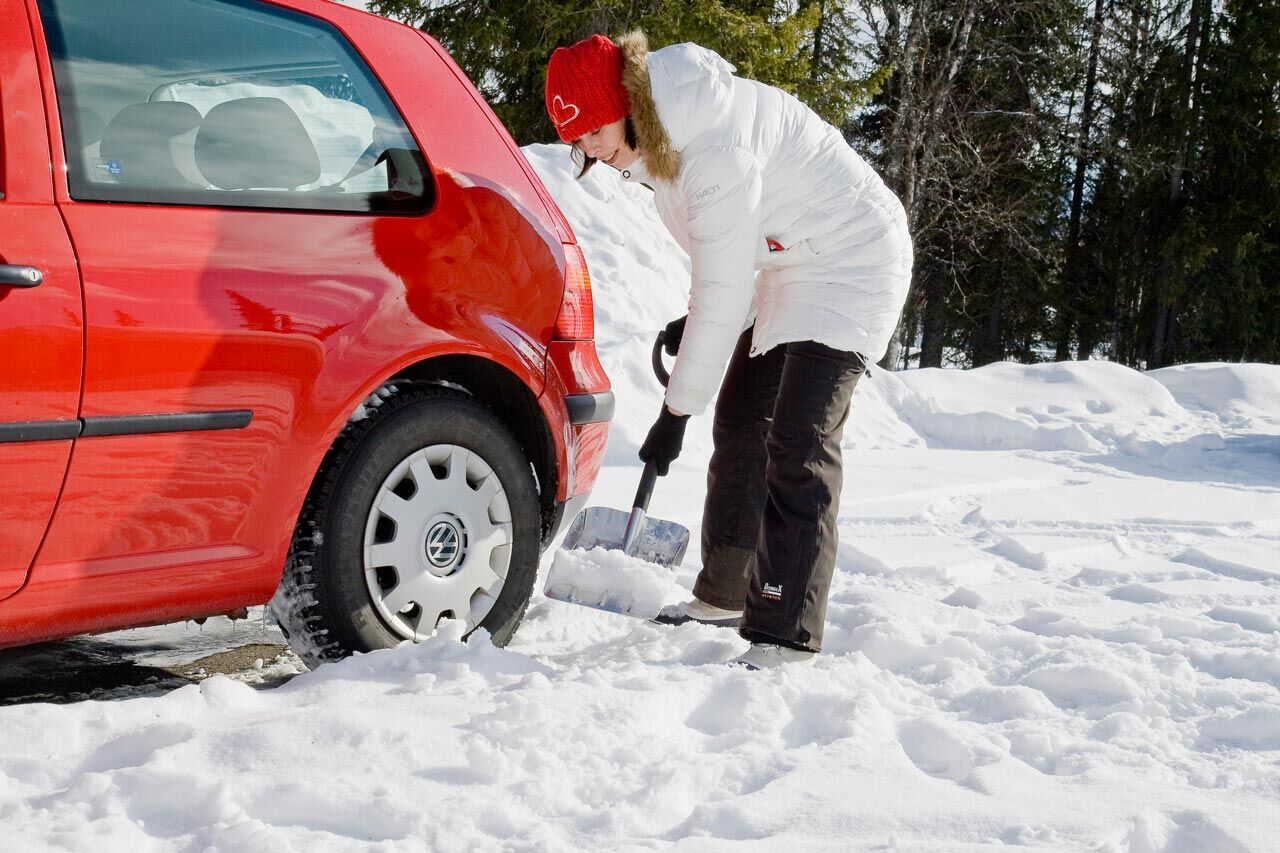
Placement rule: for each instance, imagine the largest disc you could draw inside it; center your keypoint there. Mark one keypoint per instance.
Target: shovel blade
(625, 584)
(661, 542)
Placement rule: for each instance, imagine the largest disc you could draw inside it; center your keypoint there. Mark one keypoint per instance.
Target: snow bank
(640, 276)
(1064, 406)
(1236, 393)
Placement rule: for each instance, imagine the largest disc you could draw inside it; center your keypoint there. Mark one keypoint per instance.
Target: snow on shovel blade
(594, 570)
(609, 580)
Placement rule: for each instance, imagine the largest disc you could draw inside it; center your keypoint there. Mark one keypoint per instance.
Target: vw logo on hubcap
(443, 544)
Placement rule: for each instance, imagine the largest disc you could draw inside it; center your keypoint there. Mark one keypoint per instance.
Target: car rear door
(225, 221)
(41, 329)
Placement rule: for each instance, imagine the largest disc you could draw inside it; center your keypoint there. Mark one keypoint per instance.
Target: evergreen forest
(1083, 178)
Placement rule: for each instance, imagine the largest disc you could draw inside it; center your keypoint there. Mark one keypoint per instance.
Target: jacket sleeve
(721, 195)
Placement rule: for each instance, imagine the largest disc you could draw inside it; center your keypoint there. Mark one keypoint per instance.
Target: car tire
(425, 509)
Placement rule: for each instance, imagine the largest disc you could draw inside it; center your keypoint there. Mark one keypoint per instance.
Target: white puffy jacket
(735, 165)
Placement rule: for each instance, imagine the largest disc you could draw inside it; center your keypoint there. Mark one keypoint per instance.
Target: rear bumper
(589, 408)
(577, 402)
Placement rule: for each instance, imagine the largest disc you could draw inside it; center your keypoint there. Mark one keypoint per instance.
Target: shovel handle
(647, 481)
(660, 369)
(650, 476)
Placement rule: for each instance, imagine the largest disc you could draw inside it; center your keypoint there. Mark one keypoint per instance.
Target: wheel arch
(504, 394)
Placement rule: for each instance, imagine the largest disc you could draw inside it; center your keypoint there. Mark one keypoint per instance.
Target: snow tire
(325, 604)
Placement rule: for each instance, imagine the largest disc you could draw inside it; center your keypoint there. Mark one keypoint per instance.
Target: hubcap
(437, 541)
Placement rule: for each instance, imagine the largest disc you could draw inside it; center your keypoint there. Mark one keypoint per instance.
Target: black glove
(673, 335)
(665, 439)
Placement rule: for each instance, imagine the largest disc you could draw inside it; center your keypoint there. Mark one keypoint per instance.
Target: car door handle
(15, 275)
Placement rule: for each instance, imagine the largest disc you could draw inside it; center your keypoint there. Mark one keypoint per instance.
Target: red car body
(116, 513)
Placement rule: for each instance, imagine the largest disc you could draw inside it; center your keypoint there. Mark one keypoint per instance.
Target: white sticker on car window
(108, 171)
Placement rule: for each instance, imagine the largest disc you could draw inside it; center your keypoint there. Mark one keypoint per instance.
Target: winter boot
(770, 656)
(696, 610)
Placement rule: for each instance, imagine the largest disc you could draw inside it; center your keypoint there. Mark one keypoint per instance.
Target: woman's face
(608, 145)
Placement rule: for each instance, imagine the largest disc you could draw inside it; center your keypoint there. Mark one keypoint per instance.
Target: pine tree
(1231, 308)
(1077, 275)
(839, 81)
(1011, 130)
(968, 136)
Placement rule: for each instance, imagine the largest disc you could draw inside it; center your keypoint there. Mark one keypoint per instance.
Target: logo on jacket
(561, 107)
(773, 592)
(703, 195)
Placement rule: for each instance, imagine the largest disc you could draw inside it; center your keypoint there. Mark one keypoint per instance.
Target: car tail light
(577, 314)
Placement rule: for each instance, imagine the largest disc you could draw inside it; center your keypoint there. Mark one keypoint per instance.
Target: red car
(290, 318)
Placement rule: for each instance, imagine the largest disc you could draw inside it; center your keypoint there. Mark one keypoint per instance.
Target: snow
(1054, 624)
(610, 580)
(1236, 393)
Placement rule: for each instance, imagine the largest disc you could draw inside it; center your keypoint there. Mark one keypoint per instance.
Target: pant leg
(795, 555)
(735, 477)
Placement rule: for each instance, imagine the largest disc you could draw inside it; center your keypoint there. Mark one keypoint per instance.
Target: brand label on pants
(772, 592)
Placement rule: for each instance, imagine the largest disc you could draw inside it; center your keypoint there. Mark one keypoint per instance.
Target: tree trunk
(1170, 277)
(988, 347)
(933, 321)
(893, 356)
(1069, 319)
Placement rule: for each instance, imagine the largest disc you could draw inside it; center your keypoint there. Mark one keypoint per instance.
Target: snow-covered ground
(1055, 624)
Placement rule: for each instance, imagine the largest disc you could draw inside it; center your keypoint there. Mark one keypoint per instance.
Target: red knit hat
(584, 87)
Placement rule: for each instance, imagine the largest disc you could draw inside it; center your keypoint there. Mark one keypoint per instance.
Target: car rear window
(225, 103)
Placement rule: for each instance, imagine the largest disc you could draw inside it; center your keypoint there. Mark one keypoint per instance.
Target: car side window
(225, 103)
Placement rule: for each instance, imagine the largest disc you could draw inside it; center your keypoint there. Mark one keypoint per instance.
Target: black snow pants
(773, 489)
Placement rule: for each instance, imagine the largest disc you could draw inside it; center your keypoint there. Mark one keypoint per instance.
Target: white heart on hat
(559, 103)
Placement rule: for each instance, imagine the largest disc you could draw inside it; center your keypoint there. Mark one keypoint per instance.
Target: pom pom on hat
(584, 87)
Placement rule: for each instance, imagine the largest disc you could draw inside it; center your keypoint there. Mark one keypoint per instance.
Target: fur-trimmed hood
(660, 156)
(676, 94)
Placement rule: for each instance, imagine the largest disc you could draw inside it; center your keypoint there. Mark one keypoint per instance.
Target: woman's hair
(585, 163)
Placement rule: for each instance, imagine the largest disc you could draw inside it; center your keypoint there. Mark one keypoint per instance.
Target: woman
(748, 179)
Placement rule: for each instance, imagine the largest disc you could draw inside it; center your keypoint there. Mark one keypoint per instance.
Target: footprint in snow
(944, 754)
(739, 707)
(1177, 832)
(136, 748)
(819, 720)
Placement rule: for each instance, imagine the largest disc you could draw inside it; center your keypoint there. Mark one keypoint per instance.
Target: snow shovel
(621, 585)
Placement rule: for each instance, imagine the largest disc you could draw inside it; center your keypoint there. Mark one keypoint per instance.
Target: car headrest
(255, 143)
(140, 138)
(90, 126)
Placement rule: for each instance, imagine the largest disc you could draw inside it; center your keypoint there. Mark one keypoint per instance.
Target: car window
(225, 103)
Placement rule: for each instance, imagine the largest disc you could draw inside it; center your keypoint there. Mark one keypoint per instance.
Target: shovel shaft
(645, 491)
(634, 525)
(639, 507)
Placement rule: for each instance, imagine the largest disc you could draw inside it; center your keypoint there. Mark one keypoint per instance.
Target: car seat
(255, 143)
